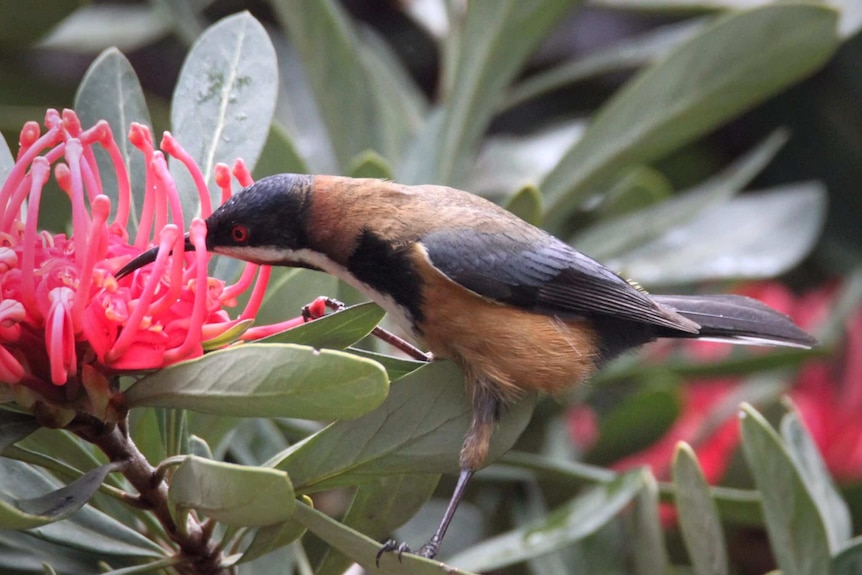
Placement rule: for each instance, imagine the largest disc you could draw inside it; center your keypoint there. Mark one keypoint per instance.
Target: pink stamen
(171, 146)
(256, 299)
(241, 173)
(60, 336)
(95, 245)
(80, 218)
(39, 171)
(175, 278)
(222, 180)
(29, 134)
(11, 371)
(248, 273)
(169, 189)
(14, 208)
(140, 137)
(166, 240)
(197, 236)
(16, 174)
(104, 135)
(262, 331)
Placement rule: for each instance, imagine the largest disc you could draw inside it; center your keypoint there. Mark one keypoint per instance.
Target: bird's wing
(544, 275)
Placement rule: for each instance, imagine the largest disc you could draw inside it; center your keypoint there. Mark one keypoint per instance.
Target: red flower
(61, 308)
(827, 393)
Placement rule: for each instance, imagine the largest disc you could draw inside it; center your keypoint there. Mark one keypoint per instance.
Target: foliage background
(41, 65)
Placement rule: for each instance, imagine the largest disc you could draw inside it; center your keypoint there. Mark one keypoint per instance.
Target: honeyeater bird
(517, 309)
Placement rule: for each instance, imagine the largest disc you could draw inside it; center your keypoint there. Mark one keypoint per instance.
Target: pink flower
(64, 317)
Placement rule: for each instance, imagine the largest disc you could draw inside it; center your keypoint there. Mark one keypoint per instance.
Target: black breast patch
(389, 270)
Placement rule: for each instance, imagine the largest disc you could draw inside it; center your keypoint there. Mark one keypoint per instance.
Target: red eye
(239, 233)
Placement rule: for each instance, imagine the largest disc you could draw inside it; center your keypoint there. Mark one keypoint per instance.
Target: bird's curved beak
(148, 257)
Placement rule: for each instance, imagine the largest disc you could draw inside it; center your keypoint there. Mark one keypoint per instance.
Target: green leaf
(379, 507)
(755, 236)
(363, 549)
(650, 554)
(334, 331)
(581, 517)
(279, 154)
(526, 203)
(698, 518)
(616, 236)
(343, 86)
(267, 380)
(796, 530)
(96, 27)
(849, 560)
(232, 494)
(396, 367)
(418, 429)
(833, 508)
(479, 62)
(15, 426)
(369, 164)
(626, 54)
(223, 102)
(111, 91)
(739, 61)
(29, 512)
(636, 423)
(272, 537)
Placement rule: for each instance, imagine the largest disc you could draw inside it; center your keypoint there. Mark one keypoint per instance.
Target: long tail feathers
(736, 319)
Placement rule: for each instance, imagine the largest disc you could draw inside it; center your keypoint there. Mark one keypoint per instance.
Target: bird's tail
(736, 319)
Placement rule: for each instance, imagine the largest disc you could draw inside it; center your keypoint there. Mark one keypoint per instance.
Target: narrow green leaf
(336, 330)
(526, 203)
(796, 530)
(735, 63)
(636, 423)
(279, 154)
(96, 27)
(581, 517)
(849, 560)
(14, 427)
(369, 164)
(267, 380)
(29, 512)
(111, 91)
(363, 550)
(833, 508)
(616, 236)
(272, 537)
(223, 102)
(418, 429)
(343, 86)
(232, 494)
(480, 61)
(650, 553)
(379, 507)
(698, 518)
(626, 54)
(396, 367)
(754, 236)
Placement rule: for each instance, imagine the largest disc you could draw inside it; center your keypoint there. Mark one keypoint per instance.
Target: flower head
(63, 314)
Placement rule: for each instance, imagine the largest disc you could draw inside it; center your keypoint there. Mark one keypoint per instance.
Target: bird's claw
(428, 551)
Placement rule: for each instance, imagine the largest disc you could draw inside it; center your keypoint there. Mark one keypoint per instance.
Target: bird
(517, 309)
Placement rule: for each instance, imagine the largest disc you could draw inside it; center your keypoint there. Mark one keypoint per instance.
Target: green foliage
(322, 92)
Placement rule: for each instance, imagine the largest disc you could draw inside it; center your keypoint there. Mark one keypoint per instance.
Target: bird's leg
(474, 451)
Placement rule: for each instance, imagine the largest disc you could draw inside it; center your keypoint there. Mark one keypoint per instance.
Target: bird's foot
(428, 551)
